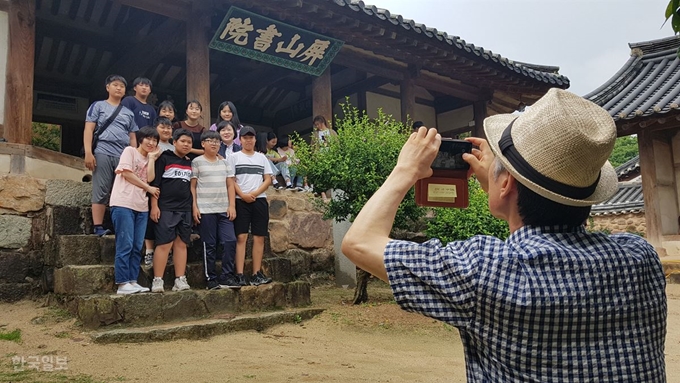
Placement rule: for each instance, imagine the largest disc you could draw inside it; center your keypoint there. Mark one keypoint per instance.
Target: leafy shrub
(357, 161)
(459, 224)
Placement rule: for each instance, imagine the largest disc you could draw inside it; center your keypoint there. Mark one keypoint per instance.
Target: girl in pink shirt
(130, 209)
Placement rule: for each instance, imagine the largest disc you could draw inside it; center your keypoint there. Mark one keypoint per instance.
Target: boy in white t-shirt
(130, 209)
(253, 177)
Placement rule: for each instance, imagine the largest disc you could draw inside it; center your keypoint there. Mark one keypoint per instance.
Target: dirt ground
(375, 342)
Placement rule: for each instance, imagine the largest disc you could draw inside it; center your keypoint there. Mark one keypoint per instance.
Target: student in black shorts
(253, 177)
(172, 210)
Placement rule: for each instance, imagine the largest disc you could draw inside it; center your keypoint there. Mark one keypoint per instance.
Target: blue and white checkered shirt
(550, 304)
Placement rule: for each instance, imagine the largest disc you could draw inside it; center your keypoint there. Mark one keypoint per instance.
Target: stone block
(78, 250)
(278, 236)
(300, 262)
(65, 220)
(96, 311)
(15, 231)
(16, 267)
(263, 297)
(298, 294)
(323, 260)
(68, 193)
(139, 308)
(182, 305)
(277, 209)
(297, 203)
(13, 292)
(310, 230)
(84, 280)
(21, 194)
(221, 301)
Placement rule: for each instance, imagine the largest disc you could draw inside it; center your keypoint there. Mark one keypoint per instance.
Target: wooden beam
(360, 87)
(322, 103)
(178, 10)
(198, 59)
(20, 72)
(146, 52)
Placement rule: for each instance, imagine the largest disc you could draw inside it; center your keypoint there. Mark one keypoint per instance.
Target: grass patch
(12, 336)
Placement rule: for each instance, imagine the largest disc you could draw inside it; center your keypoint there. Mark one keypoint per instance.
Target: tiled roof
(628, 199)
(542, 73)
(649, 82)
(632, 165)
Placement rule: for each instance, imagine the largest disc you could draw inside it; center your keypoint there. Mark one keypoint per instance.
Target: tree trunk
(361, 292)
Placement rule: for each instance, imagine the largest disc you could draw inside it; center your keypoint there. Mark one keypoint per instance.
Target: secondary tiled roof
(628, 199)
(649, 82)
(628, 167)
(546, 74)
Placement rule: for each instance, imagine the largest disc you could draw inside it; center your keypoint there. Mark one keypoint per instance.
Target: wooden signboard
(256, 37)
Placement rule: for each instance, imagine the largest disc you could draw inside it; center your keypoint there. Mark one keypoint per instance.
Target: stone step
(205, 328)
(140, 309)
(672, 247)
(93, 250)
(671, 268)
(100, 279)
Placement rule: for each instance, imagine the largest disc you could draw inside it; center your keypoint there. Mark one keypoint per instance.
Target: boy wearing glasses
(214, 209)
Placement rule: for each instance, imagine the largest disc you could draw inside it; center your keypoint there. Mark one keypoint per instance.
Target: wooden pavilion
(60, 51)
(643, 97)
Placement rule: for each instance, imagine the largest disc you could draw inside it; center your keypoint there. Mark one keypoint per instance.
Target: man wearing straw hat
(553, 302)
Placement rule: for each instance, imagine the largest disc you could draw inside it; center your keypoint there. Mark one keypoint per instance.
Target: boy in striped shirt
(214, 209)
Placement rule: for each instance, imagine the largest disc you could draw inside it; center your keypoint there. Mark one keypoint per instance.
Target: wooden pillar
(322, 102)
(20, 68)
(198, 60)
(408, 99)
(649, 188)
(479, 115)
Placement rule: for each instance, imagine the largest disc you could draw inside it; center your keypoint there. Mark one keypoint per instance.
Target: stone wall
(35, 212)
(620, 223)
(297, 231)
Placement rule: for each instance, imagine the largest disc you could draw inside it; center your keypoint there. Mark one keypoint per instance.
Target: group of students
(161, 180)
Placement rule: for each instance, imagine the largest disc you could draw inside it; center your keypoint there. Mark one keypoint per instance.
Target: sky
(587, 39)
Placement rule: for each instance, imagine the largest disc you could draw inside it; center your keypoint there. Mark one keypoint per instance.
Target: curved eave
(647, 85)
(546, 75)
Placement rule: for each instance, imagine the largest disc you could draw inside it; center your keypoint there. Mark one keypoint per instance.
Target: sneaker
(141, 288)
(148, 259)
(212, 285)
(230, 283)
(241, 280)
(157, 285)
(100, 231)
(278, 186)
(181, 284)
(259, 279)
(127, 288)
(299, 189)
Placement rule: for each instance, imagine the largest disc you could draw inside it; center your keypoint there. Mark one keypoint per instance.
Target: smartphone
(450, 156)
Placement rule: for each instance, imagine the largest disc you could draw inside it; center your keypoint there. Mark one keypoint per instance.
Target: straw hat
(558, 148)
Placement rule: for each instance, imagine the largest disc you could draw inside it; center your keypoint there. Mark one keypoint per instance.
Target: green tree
(624, 149)
(46, 136)
(459, 224)
(673, 13)
(356, 162)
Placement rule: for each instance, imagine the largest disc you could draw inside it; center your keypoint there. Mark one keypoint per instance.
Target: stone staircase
(83, 283)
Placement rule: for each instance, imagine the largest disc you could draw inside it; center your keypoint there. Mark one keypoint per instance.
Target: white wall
(457, 118)
(4, 32)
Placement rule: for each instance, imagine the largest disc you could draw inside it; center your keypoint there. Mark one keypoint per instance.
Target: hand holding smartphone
(448, 185)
